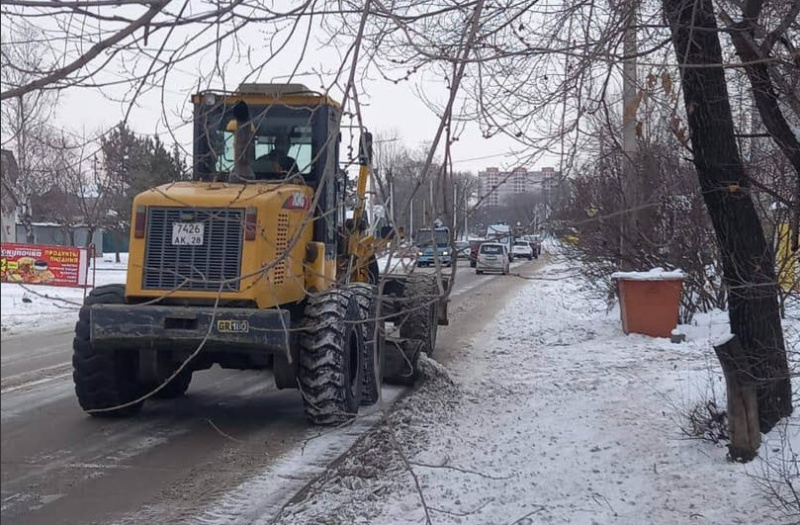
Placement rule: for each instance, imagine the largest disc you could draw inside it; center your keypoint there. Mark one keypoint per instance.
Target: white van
(493, 257)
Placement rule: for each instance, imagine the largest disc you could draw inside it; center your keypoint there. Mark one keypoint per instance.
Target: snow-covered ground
(553, 415)
(394, 263)
(27, 308)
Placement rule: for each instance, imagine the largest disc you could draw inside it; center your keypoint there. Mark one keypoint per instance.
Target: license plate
(236, 327)
(187, 233)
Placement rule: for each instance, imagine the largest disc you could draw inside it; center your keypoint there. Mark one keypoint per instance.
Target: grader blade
(400, 365)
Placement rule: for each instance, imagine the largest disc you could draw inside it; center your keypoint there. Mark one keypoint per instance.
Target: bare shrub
(708, 422)
(778, 476)
(661, 223)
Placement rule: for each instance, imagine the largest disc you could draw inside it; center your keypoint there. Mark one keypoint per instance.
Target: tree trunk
(743, 422)
(117, 243)
(89, 236)
(30, 234)
(748, 264)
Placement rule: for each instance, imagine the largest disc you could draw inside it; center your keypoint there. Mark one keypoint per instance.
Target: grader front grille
(213, 265)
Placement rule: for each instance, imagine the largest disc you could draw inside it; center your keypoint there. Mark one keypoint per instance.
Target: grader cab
(253, 265)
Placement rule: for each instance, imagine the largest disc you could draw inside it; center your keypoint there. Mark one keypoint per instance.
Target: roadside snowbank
(27, 308)
(395, 264)
(553, 415)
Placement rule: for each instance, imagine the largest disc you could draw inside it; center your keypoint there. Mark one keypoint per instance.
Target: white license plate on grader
(187, 233)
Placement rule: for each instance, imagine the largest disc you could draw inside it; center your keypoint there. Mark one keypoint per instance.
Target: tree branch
(777, 33)
(94, 51)
(76, 4)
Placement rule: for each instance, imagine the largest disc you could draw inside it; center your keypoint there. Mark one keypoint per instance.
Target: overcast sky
(388, 109)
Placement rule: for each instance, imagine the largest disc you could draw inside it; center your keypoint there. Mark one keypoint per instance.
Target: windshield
(525, 244)
(282, 140)
(439, 237)
(491, 248)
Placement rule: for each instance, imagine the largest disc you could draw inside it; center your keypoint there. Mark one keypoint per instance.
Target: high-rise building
(497, 186)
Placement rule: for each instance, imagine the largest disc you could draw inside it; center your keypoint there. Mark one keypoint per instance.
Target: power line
(461, 161)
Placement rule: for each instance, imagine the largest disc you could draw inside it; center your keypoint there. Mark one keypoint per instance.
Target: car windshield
(437, 237)
(491, 248)
(524, 244)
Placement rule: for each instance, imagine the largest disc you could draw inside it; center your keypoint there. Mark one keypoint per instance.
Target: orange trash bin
(649, 301)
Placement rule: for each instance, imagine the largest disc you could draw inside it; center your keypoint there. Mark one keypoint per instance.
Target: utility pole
(455, 206)
(466, 215)
(629, 107)
(411, 219)
(431, 204)
(390, 176)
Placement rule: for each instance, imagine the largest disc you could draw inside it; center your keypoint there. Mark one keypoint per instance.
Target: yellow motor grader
(253, 264)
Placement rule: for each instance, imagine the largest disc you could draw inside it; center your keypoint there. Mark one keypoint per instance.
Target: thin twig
(410, 471)
(223, 434)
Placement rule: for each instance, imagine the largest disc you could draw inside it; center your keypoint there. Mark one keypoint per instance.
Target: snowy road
(200, 458)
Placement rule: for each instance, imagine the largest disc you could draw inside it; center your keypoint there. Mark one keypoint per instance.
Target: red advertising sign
(39, 264)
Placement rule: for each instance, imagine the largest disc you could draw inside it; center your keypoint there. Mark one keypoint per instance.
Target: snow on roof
(656, 274)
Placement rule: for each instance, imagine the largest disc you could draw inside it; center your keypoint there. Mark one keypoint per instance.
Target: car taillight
(140, 221)
(250, 222)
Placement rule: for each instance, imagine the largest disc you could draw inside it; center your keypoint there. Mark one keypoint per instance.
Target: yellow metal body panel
(285, 100)
(364, 250)
(317, 268)
(788, 262)
(272, 271)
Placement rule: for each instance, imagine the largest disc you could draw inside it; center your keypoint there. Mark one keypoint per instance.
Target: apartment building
(497, 186)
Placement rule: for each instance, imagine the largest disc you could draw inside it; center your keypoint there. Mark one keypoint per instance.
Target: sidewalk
(552, 415)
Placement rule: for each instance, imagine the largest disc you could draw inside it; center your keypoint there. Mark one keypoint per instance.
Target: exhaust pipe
(243, 144)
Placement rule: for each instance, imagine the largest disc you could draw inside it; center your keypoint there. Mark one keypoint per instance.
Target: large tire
(422, 319)
(104, 377)
(331, 357)
(373, 334)
(176, 388)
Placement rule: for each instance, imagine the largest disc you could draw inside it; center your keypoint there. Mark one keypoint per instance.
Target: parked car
(523, 249)
(493, 257)
(473, 252)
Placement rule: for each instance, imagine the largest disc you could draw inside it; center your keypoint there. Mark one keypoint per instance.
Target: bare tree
(84, 184)
(524, 69)
(748, 262)
(762, 27)
(25, 119)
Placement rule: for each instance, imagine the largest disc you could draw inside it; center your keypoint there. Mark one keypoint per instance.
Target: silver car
(493, 257)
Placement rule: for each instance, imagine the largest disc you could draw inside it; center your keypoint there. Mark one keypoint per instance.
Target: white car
(493, 257)
(523, 249)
